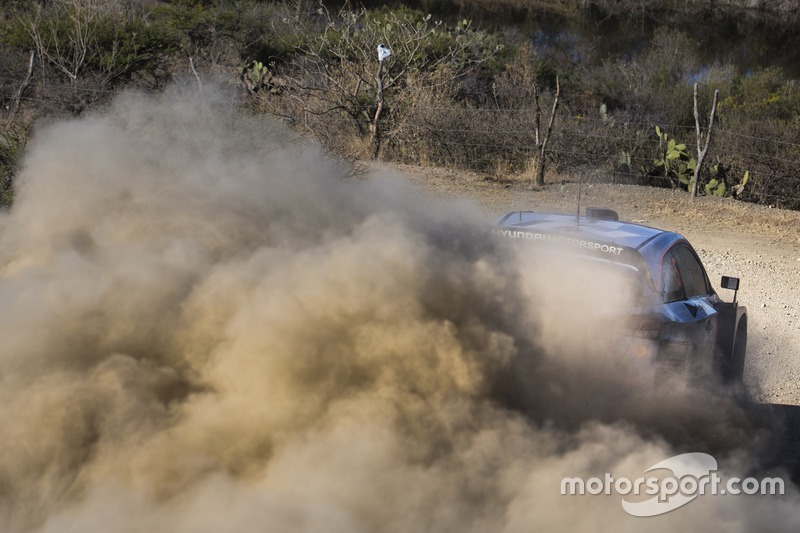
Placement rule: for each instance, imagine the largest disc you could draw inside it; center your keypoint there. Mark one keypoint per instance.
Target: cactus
(718, 184)
(253, 74)
(685, 171)
(605, 116)
(623, 164)
(673, 149)
(738, 189)
(715, 187)
(677, 166)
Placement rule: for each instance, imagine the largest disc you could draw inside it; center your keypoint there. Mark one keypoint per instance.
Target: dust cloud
(209, 325)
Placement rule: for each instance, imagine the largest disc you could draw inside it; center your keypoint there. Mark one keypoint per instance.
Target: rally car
(677, 324)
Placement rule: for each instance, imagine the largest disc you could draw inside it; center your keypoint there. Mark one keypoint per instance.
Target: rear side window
(671, 287)
(682, 275)
(692, 273)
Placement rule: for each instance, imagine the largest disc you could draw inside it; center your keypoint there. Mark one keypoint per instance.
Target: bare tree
(24, 85)
(702, 151)
(300, 8)
(66, 36)
(337, 70)
(196, 75)
(375, 135)
(65, 46)
(542, 138)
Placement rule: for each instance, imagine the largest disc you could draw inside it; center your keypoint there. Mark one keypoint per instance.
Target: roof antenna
(578, 214)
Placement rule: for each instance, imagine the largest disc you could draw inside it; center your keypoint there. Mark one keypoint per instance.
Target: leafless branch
(702, 151)
(335, 68)
(196, 75)
(24, 85)
(538, 179)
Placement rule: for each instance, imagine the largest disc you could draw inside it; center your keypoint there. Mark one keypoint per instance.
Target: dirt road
(758, 244)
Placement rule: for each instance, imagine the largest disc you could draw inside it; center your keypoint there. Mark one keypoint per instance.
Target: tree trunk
(196, 75)
(25, 83)
(539, 176)
(701, 152)
(375, 137)
(540, 160)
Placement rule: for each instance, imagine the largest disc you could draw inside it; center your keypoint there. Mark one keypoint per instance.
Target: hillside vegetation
(464, 87)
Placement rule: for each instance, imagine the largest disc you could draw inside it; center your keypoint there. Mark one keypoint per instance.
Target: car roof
(625, 240)
(616, 232)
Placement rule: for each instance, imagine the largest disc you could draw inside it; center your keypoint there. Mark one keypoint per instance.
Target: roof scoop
(601, 213)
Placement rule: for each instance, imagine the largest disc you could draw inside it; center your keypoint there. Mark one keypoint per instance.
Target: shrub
(336, 83)
(93, 38)
(12, 143)
(762, 95)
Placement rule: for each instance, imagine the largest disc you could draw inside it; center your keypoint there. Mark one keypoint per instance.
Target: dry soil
(758, 244)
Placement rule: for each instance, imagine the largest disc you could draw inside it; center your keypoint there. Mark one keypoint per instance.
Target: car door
(690, 301)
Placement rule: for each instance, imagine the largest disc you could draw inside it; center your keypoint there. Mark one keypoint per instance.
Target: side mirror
(730, 283)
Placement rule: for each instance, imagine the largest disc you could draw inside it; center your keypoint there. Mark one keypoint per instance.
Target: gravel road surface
(758, 244)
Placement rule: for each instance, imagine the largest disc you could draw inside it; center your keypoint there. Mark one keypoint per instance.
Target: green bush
(763, 95)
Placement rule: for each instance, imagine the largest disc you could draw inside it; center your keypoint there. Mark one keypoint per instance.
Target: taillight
(641, 350)
(643, 326)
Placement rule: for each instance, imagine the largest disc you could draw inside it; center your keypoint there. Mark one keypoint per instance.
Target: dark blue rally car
(677, 323)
